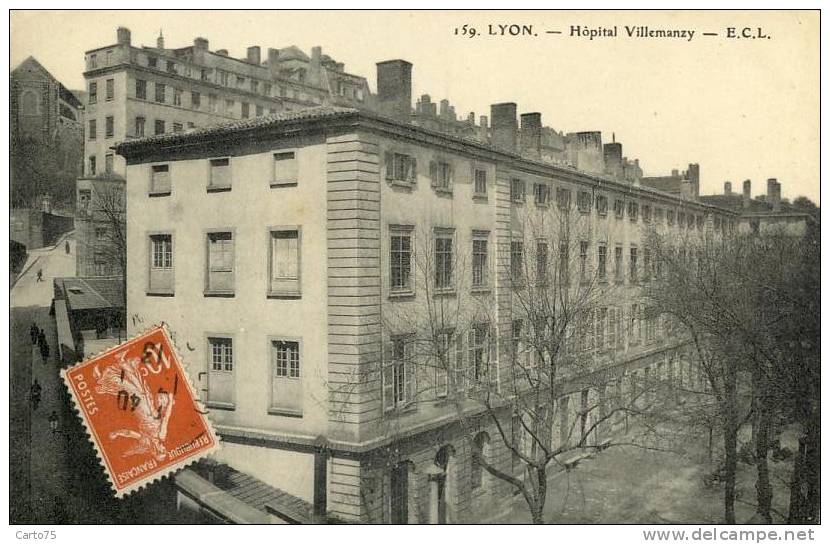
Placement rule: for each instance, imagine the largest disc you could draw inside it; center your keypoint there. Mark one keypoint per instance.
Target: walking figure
(44, 350)
(53, 421)
(39, 275)
(34, 333)
(34, 394)
(67, 247)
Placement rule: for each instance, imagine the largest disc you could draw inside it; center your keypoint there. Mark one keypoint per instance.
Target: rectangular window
(93, 61)
(171, 66)
(178, 127)
(110, 89)
(246, 110)
(670, 217)
(152, 62)
(601, 321)
(109, 126)
(564, 263)
(266, 89)
(141, 89)
(478, 354)
(160, 93)
(647, 214)
(285, 169)
(583, 201)
(658, 215)
(583, 260)
(517, 190)
(400, 256)
(445, 362)
(160, 179)
(602, 258)
(440, 174)
(108, 163)
(93, 170)
(480, 188)
(220, 372)
(220, 174)
(443, 259)
(400, 167)
(480, 264)
(541, 194)
(646, 264)
(93, 92)
(100, 234)
(633, 209)
(516, 262)
(563, 198)
(398, 374)
(541, 261)
(619, 209)
(159, 126)
(286, 386)
(229, 106)
(213, 103)
(177, 97)
(259, 110)
(632, 264)
(220, 265)
(93, 129)
(161, 263)
(84, 197)
(602, 205)
(285, 263)
(195, 100)
(140, 122)
(204, 74)
(618, 264)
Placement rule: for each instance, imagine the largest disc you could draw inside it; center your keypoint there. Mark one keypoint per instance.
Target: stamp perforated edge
(91, 436)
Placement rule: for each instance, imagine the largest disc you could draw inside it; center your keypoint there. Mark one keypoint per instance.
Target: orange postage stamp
(140, 410)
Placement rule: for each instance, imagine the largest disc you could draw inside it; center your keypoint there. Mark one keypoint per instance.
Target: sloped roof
(93, 293)
(32, 63)
(668, 184)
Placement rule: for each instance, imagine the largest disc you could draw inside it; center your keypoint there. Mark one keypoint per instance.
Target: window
(647, 214)
(564, 263)
(160, 179)
(204, 74)
(246, 110)
(517, 190)
(443, 259)
(110, 89)
(229, 106)
(646, 264)
(619, 209)
(541, 261)
(152, 62)
(658, 215)
(563, 198)
(602, 205)
(177, 127)
(220, 174)
(161, 263)
(171, 66)
(601, 315)
(583, 260)
(191, 124)
(541, 194)
(100, 234)
(220, 260)
(285, 263)
(159, 126)
(699, 222)
(266, 89)
(99, 264)
(84, 197)
(195, 100)
(213, 103)
(220, 372)
(480, 266)
(398, 374)
(583, 201)
(109, 126)
(516, 336)
(632, 264)
(618, 264)
(108, 163)
(140, 122)
(613, 327)
(177, 97)
(670, 217)
(516, 263)
(633, 209)
(634, 325)
(286, 386)
(285, 169)
(440, 173)
(400, 167)
(93, 61)
(478, 349)
(681, 219)
(93, 129)
(240, 81)
(93, 92)
(446, 356)
(160, 89)
(400, 256)
(476, 471)
(92, 166)
(259, 110)
(602, 258)
(480, 188)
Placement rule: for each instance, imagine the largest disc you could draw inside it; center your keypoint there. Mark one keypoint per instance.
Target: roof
(92, 293)
(65, 93)
(669, 184)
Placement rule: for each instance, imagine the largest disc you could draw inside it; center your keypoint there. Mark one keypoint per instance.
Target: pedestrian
(34, 333)
(53, 421)
(39, 275)
(44, 351)
(34, 394)
(67, 247)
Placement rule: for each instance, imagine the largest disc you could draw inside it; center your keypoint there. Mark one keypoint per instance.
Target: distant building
(46, 138)
(685, 184)
(100, 226)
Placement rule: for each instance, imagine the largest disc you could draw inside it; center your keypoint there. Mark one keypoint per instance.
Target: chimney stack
(747, 196)
(503, 119)
(774, 194)
(613, 157)
(222, 52)
(315, 70)
(394, 83)
(160, 41)
(253, 55)
(531, 134)
(693, 174)
(273, 60)
(727, 188)
(123, 34)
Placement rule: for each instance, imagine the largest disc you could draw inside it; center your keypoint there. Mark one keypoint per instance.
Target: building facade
(287, 256)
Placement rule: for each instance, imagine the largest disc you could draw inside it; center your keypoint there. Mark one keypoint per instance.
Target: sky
(741, 108)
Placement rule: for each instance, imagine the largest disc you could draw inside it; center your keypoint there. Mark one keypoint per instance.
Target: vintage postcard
(417, 267)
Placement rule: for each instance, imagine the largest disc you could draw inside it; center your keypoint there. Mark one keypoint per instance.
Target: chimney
(503, 119)
(253, 55)
(482, 121)
(694, 178)
(200, 43)
(531, 134)
(160, 41)
(273, 60)
(222, 52)
(613, 157)
(747, 197)
(123, 34)
(675, 173)
(394, 83)
(471, 118)
(774, 194)
(315, 70)
(444, 109)
(727, 188)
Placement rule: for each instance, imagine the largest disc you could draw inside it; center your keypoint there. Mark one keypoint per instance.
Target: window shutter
(492, 370)
(433, 173)
(389, 159)
(458, 370)
(388, 379)
(471, 358)
(452, 176)
(409, 373)
(413, 168)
